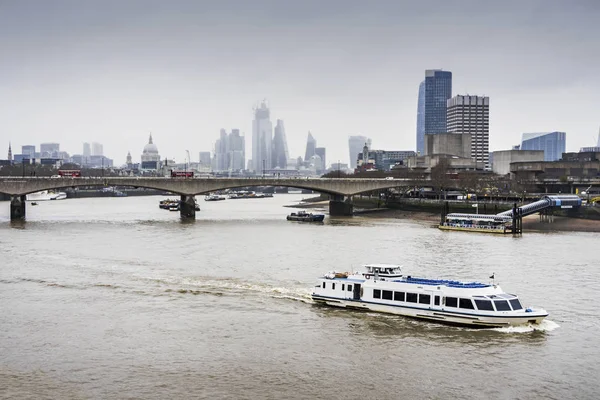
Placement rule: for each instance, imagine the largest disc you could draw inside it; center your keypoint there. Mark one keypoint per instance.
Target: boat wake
(232, 286)
(545, 326)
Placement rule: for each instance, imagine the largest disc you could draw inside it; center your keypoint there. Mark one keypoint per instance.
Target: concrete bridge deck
(340, 189)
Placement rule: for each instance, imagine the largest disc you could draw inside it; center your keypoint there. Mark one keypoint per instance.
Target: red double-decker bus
(182, 174)
(70, 173)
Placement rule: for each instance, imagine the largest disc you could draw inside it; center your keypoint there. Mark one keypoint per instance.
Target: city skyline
(115, 71)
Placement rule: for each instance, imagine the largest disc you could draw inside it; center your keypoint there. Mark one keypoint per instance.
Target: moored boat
(303, 216)
(46, 195)
(383, 288)
(175, 205)
(214, 197)
(248, 195)
(498, 224)
(167, 203)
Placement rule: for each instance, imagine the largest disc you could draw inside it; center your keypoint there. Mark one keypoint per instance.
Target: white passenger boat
(383, 288)
(46, 195)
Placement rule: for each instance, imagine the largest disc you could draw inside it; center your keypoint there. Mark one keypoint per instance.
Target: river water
(115, 298)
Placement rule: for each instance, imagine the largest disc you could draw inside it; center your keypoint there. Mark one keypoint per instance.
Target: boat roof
(444, 282)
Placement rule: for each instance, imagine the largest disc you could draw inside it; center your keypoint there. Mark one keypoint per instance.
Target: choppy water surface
(115, 298)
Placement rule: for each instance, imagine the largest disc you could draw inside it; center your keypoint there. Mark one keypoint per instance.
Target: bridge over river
(340, 190)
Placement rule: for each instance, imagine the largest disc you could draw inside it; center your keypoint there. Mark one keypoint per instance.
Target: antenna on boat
(493, 278)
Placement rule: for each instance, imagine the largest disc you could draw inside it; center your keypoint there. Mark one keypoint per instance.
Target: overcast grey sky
(112, 71)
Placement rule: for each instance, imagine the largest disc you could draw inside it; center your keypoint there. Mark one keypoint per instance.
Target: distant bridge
(340, 189)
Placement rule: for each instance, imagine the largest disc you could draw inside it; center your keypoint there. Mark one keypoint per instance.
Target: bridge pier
(17, 207)
(340, 206)
(187, 206)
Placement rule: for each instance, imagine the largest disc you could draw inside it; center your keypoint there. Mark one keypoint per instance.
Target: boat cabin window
(333, 286)
(323, 285)
(387, 295)
(411, 297)
(391, 270)
(376, 293)
(466, 303)
(484, 305)
(501, 305)
(349, 288)
(343, 287)
(516, 304)
(424, 299)
(436, 300)
(451, 302)
(399, 296)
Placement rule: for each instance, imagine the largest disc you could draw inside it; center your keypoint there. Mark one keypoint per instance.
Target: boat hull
(479, 230)
(314, 218)
(435, 315)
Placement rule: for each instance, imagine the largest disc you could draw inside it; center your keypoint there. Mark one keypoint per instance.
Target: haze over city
(113, 71)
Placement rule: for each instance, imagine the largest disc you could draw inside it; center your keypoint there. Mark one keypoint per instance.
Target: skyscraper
(97, 149)
(471, 114)
(28, 151)
(237, 151)
(204, 158)
(311, 145)
(421, 119)
(280, 147)
(322, 152)
(9, 152)
(87, 150)
(553, 144)
(230, 151)
(262, 135)
(434, 92)
(49, 150)
(356, 144)
(221, 148)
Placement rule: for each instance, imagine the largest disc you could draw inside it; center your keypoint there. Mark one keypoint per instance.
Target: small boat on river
(214, 197)
(303, 216)
(168, 203)
(175, 205)
(384, 288)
